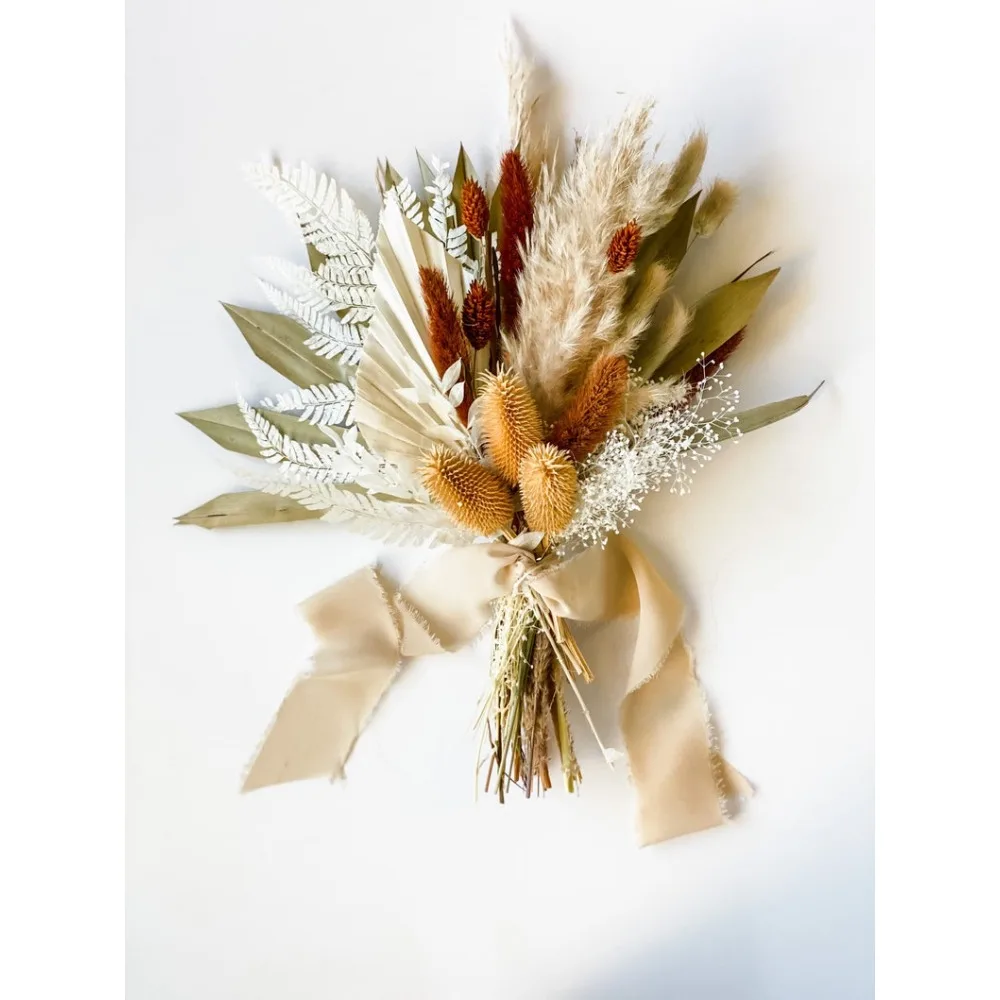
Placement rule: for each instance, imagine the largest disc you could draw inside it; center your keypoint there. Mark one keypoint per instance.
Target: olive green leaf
(769, 413)
(225, 426)
(667, 245)
(280, 342)
(717, 317)
(231, 510)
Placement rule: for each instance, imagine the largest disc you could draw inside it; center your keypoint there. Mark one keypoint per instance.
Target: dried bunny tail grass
(548, 488)
(687, 167)
(475, 209)
(478, 312)
(517, 211)
(670, 392)
(570, 301)
(509, 421)
(667, 329)
(472, 495)
(715, 206)
(595, 408)
(641, 306)
(624, 247)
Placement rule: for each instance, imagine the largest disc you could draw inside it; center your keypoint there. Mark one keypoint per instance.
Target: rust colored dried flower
(447, 340)
(475, 209)
(478, 313)
(624, 247)
(548, 488)
(595, 409)
(517, 210)
(472, 495)
(510, 422)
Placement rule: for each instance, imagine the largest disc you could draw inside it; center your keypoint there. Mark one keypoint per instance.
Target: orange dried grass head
(446, 339)
(518, 213)
(595, 409)
(475, 209)
(624, 247)
(472, 495)
(478, 315)
(548, 488)
(509, 420)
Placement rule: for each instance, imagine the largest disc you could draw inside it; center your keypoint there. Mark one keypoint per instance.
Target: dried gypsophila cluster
(661, 448)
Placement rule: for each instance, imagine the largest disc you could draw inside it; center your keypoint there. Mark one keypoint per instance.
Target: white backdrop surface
(396, 883)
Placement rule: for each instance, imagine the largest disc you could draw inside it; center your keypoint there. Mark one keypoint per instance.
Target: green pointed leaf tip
(717, 317)
(232, 510)
(769, 413)
(226, 427)
(280, 342)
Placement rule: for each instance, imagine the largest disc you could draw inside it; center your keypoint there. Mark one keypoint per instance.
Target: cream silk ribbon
(366, 632)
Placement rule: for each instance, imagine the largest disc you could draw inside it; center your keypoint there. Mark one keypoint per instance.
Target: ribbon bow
(367, 631)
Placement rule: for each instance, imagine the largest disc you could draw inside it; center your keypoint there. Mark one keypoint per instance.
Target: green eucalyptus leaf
(231, 510)
(280, 342)
(225, 426)
(761, 416)
(717, 317)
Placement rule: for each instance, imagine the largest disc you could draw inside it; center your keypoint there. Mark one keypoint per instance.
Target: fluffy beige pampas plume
(570, 301)
(595, 409)
(548, 488)
(472, 495)
(525, 96)
(640, 307)
(717, 203)
(664, 334)
(509, 421)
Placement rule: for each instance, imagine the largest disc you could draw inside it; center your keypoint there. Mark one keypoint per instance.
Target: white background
(396, 883)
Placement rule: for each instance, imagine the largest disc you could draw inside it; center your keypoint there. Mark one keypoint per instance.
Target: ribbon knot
(366, 631)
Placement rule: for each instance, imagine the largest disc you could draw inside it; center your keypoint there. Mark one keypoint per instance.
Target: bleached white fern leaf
(335, 285)
(393, 522)
(443, 213)
(410, 205)
(298, 462)
(327, 215)
(330, 336)
(319, 404)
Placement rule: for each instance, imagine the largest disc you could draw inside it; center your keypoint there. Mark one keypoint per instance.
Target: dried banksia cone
(548, 488)
(509, 420)
(475, 209)
(478, 312)
(686, 168)
(472, 495)
(715, 206)
(624, 247)
(517, 210)
(595, 409)
(447, 340)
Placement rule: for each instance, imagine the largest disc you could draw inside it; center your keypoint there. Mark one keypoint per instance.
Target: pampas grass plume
(715, 206)
(548, 488)
(472, 495)
(509, 420)
(595, 409)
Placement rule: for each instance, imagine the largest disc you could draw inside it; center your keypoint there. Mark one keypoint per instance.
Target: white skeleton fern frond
(443, 214)
(326, 405)
(327, 215)
(410, 205)
(335, 285)
(331, 337)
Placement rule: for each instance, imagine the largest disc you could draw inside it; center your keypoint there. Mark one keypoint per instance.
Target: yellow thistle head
(548, 488)
(509, 420)
(472, 495)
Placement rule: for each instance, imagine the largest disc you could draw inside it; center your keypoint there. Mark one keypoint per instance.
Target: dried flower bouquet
(509, 371)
